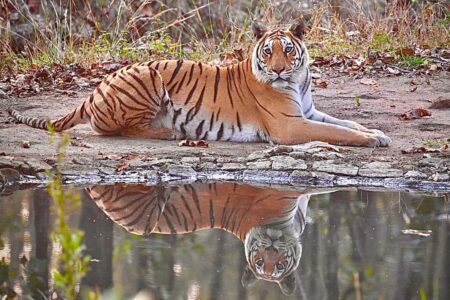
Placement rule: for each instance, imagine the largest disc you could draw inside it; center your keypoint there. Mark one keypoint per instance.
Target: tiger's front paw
(382, 140)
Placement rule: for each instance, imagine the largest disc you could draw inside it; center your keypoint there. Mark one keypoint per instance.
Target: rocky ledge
(309, 164)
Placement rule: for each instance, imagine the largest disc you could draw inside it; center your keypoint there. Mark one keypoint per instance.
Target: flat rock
(259, 165)
(440, 177)
(329, 166)
(257, 155)
(433, 162)
(415, 174)
(379, 169)
(280, 163)
(190, 160)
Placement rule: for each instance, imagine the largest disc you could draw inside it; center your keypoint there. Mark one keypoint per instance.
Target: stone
(280, 163)
(38, 165)
(298, 154)
(208, 166)
(233, 167)
(190, 160)
(257, 155)
(209, 159)
(266, 176)
(432, 162)
(223, 160)
(415, 174)
(329, 166)
(440, 177)
(259, 165)
(180, 170)
(379, 169)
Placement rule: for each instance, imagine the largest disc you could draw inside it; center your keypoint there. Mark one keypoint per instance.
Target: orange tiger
(264, 98)
(269, 222)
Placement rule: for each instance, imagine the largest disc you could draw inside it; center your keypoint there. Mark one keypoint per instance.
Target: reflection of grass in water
(74, 264)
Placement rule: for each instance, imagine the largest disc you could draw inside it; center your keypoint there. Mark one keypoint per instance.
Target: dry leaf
(368, 81)
(26, 144)
(191, 143)
(321, 83)
(433, 67)
(405, 52)
(440, 103)
(122, 166)
(415, 113)
(423, 149)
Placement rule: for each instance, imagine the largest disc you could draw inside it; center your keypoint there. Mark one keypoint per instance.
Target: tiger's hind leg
(128, 101)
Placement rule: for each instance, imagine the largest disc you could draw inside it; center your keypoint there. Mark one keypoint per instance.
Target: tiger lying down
(264, 98)
(269, 222)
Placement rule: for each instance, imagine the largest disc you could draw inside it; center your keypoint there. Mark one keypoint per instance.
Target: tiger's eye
(288, 49)
(267, 51)
(259, 262)
(280, 267)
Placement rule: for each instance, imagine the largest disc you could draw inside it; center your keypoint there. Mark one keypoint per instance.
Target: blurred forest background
(45, 32)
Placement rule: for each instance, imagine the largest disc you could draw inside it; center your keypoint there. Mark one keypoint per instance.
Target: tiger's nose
(278, 69)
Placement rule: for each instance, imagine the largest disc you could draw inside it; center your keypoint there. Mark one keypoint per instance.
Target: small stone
(26, 144)
(257, 155)
(415, 174)
(298, 154)
(222, 160)
(208, 166)
(329, 166)
(233, 167)
(287, 163)
(433, 162)
(440, 177)
(190, 160)
(180, 170)
(209, 159)
(81, 161)
(259, 165)
(379, 169)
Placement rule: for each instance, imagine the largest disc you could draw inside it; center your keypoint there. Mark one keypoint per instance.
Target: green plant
(74, 264)
(414, 61)
(435, 143)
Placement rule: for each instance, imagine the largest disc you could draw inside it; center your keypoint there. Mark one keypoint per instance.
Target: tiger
(268, 221)
(264, 98)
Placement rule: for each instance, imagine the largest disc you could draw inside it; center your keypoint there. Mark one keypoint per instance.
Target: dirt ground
(381, 104)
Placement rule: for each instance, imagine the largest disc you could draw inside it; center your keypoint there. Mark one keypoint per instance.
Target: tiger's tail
(68, 121)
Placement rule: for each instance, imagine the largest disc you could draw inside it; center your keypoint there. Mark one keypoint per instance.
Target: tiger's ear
(259, 29)
(298, 29)
(248, 278)
(287, 285)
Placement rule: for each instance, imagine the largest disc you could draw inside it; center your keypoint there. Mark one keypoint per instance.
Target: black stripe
(175, 72)
(191, 92)
(190, 74)
(238, 121)
(212, 216)
(199, 129)
(216, 83)
(220, 132)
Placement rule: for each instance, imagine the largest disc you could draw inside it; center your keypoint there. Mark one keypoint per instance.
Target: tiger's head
(279, 56)
(273, 250)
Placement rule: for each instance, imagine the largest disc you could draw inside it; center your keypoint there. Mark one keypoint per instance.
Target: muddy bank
(99, 159)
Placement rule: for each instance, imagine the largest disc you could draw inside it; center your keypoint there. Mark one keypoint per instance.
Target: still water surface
(233, 241)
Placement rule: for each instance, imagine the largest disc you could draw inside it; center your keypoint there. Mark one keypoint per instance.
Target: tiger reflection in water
(269, 222)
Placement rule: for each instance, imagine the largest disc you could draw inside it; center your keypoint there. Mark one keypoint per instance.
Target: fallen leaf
(415, 113)
(122, 166)
(424, 149)
(440, 103)
(424, 233)
(321, 83)
(368, 81)
(191, 143)
(405, 52)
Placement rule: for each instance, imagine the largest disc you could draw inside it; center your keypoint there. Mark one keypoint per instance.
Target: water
(156, 242)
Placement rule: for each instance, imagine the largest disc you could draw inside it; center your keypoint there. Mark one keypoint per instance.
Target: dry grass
(203, 30)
